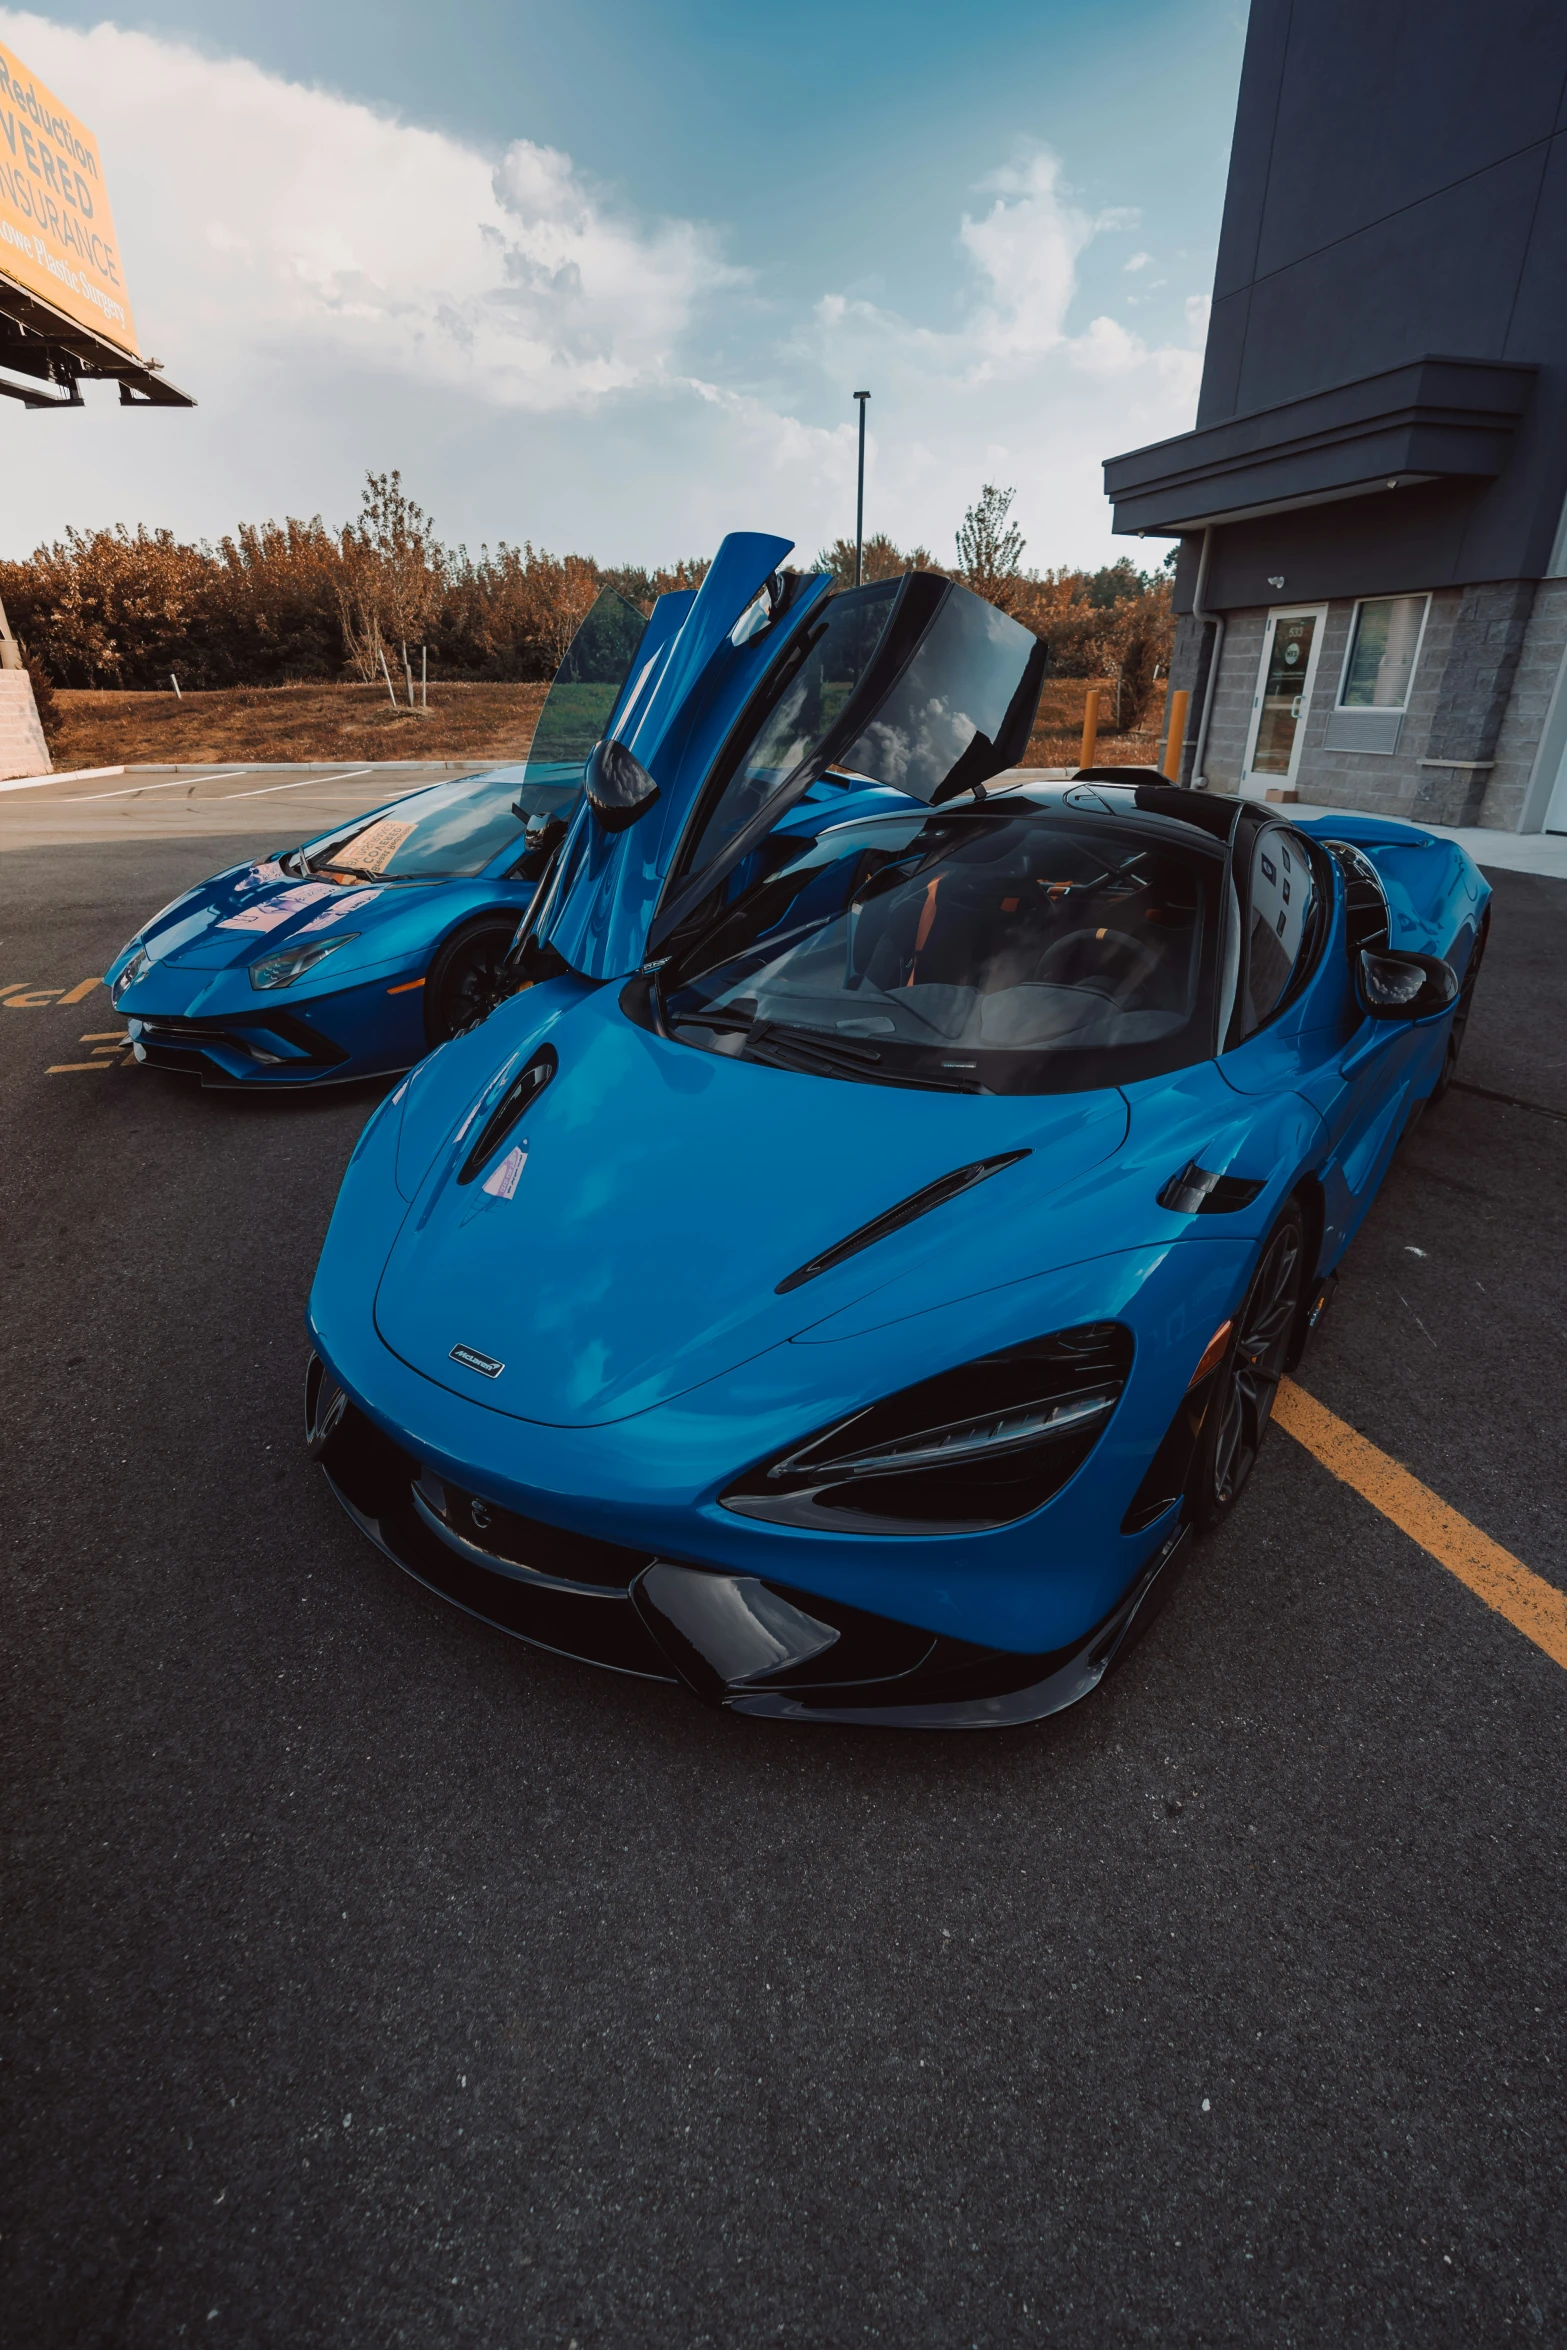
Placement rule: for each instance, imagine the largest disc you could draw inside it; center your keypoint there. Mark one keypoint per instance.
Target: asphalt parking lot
(370, 1979)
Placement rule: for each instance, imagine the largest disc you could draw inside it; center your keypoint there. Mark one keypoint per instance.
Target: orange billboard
(57, 235)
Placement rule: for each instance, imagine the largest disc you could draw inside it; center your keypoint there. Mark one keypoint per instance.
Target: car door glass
(797, 719)
(1281, 904)
(1365, 901)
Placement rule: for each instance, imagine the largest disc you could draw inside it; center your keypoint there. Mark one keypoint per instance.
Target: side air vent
(1197, 1191)
(918, 1203)
(523, 1089)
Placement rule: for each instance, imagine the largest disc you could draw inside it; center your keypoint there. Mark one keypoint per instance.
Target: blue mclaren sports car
(352, 954)
(862, 1254)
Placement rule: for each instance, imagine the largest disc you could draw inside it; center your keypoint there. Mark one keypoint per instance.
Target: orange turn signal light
(1212, 1354)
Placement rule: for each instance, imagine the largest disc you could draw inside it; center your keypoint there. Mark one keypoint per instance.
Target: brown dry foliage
(281, 602)
(292, 601)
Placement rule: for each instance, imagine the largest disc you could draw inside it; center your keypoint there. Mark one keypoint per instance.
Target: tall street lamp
(859, 502)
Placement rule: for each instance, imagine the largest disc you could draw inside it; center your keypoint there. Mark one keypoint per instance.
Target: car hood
(239, 914)
(663, 1194)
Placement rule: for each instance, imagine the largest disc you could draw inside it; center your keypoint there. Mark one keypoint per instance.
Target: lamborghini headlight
(291, 963)
(137, 968)
(976, 1447)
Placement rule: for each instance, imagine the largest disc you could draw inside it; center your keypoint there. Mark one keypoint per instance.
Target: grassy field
(355, 722)
(291, 722)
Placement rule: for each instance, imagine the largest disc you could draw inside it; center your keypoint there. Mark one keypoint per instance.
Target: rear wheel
(1242, 1402)
(466, 980)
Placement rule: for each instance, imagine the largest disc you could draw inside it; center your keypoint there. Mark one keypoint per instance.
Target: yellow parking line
(1531, 1605)
(81, 991)
(106, 1036)
(70, 1068)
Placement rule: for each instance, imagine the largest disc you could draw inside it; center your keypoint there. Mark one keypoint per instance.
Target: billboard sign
(57, 237)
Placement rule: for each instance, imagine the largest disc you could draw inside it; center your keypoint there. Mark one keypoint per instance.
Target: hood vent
(523, 1089)
(918, 1203)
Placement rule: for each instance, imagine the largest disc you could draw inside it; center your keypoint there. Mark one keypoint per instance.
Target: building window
(1379, 669)
(1384, 645)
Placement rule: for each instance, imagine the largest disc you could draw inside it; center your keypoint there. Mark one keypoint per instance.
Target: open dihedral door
(771, 685)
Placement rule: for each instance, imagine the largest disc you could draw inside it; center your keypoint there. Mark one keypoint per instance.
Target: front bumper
(741, 1641)
(281, 1050)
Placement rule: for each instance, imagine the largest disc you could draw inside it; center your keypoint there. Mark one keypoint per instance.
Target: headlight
(137, 968)
(980, 1446)
(281, 970)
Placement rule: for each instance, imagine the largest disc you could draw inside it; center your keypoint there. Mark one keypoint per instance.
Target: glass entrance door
(1290, 646)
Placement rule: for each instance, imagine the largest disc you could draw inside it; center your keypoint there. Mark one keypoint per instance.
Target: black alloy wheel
(466, 980)
(1242, 1401)
(1455, 1034)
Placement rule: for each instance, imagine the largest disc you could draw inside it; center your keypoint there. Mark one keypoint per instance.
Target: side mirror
(618, 785)
(543, 837)
(1404, 987)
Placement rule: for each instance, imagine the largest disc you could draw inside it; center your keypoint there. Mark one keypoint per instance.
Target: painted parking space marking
(108, 1053)
(1530, 1604)
(132, 791)
(262, 791)
(20, 995)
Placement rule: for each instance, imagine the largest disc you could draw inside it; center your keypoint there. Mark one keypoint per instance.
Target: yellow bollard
(1090, 726)
(1175, 741)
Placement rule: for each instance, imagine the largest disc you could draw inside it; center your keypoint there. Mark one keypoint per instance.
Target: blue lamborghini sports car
(353, 954)
(864, 1253)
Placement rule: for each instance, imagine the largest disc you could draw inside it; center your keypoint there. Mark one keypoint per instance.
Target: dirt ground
(263, 723)
(260, 723)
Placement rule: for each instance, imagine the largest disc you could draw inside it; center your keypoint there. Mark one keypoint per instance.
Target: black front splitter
(752, 1646)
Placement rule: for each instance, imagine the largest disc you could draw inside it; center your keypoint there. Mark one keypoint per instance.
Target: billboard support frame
(39, 341)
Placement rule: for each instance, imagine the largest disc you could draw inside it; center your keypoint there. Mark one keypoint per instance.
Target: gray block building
(1372, 508)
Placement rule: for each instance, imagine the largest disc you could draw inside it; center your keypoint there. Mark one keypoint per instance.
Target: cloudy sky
(605, 276)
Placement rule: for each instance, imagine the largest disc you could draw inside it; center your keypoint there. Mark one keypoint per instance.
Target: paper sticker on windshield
(280, 909)
(330, 914)
(373, 849)
(503, 1180)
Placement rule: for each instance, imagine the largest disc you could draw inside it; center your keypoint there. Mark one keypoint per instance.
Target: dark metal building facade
(1373, 573)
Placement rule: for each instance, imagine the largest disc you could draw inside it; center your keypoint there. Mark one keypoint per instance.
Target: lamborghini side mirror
(543, 837)
(1404, 986)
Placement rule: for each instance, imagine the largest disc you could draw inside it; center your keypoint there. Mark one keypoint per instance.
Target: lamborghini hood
(239, 914)
(662, 1195)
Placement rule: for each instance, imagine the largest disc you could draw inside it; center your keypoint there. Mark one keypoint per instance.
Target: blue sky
(605, 276)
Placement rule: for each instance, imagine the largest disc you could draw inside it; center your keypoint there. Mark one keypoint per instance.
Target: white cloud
(340, 289)
(1138, 261)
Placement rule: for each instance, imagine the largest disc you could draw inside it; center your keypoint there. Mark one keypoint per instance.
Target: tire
(1455, 1034)
(1242, 1401)
(464, 982)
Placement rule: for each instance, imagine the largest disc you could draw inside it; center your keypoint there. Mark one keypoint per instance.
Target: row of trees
(297, 600)
(281, 601)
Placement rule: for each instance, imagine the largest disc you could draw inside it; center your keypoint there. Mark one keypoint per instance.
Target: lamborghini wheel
(1242, 1402)
(465, 981)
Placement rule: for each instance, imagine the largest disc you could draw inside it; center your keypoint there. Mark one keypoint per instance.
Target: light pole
(859, 502)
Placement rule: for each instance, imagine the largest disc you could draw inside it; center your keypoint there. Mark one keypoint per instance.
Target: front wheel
(466, 980)
(1242, 1402)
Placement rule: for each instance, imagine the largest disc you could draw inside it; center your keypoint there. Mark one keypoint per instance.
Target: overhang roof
(1429, 420)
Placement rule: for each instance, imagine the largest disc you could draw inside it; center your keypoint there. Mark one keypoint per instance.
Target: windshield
(451, 829)
(1000, 953)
